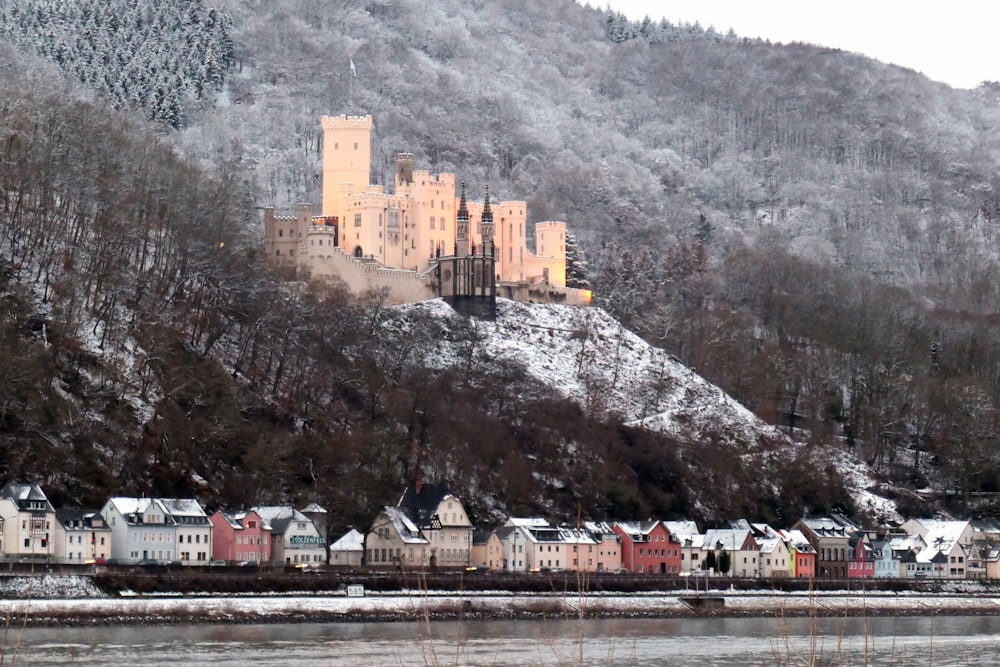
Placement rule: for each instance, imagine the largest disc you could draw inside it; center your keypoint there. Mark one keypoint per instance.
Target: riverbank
(431, 606)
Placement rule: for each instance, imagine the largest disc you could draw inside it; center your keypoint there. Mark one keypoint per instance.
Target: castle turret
(462, 227)
(404, 169)
(486, 224)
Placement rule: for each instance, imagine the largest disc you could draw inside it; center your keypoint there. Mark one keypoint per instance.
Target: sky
(954, 42)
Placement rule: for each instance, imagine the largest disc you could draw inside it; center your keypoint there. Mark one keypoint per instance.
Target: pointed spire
(487, 212)
(463, 210)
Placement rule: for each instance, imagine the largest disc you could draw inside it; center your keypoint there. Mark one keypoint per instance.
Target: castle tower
(347, 157)
(486, 225)
(462, 227)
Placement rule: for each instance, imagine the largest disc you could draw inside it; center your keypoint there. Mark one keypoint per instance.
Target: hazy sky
(957, 41)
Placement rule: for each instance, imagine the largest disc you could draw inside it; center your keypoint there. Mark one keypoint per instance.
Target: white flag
(354, 72)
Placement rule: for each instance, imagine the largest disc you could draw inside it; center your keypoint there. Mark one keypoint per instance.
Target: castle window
(432, 203)
(442, 223)
(432, 222)
(336, 146)
(276, 252)
(357, 219)
(281, 232)
(355, 145)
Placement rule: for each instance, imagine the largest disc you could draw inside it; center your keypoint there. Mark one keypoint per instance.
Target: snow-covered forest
(811, 230)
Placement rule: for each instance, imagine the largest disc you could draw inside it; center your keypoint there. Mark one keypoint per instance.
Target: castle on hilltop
(421, 241)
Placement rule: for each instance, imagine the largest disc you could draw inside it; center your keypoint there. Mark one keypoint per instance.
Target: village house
(141, 530)
(193, 530)
(27, 522)
(862, 563)
(81, 536)
(395, 541)
(442, 521)
(348, 550)
(740, 545)
(487, 549)
(830, 537)
(609, 545)
(893, 552)
(295, 540)
(648, 547)
(773, 556)
(801, 555)
(240, 537)
(687, 534)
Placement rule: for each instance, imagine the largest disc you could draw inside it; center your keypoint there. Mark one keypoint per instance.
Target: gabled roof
(183, 507)
(638, 531)
(279, 517)
(134, 508)
(352, 540)
(406, 529)
(797, 540)
(682, 529)
(726, 538)
(75, 519)
(422, 506)
(25, 496)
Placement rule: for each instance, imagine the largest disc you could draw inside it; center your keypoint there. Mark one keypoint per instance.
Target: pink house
(241, 537)
(647, 547)
(862, 563)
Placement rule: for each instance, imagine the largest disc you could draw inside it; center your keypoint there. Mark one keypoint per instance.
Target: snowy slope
(586, 355)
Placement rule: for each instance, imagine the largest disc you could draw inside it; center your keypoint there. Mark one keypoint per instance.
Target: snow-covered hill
(584, 354)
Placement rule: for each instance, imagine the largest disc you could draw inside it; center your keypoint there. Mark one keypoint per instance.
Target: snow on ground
(584, 354)
(48, 586)
(860, 482)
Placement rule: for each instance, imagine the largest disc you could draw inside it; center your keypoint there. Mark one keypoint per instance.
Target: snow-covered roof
(636, 528)
(527, 522)
(682, 529)
(186, 507)
(352, 540)
(406, 529)
(731, 539)
(277, 518)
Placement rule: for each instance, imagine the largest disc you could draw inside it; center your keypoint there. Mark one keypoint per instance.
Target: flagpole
(350, 85)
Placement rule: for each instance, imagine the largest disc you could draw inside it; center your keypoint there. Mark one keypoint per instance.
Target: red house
(862, 563)
(648, 547)
(801, 555)
(241, 537)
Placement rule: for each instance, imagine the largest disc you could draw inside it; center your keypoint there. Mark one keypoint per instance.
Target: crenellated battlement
(345, 122)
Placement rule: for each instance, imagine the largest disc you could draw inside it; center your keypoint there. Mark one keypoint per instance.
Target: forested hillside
(811, 230)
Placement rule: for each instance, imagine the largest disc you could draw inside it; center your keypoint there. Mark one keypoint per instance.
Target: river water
(938, 642)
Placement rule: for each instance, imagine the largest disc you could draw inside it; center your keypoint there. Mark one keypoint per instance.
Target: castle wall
(371, 239)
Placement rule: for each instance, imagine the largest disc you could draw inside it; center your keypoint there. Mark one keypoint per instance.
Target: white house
(81, 536)
(295, 540)
(27, 523)
(141, 530)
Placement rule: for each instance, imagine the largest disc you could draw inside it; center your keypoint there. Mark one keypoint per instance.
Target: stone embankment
(75, 600)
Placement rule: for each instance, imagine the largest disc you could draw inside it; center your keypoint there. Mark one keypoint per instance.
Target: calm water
(900, 642)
